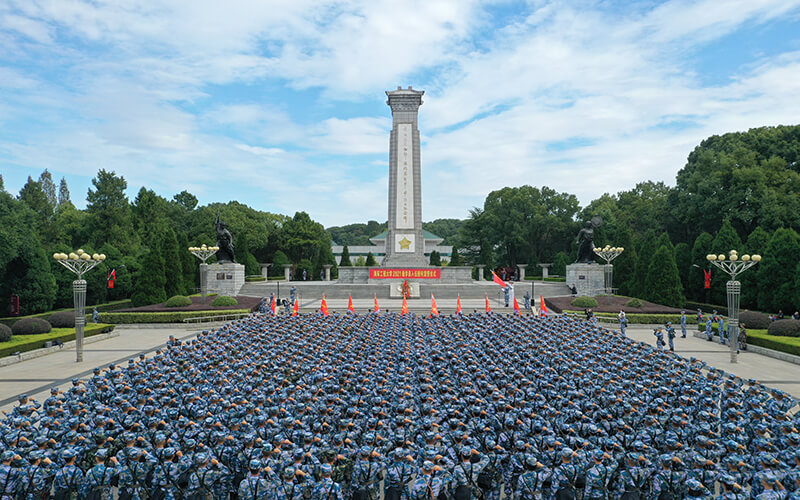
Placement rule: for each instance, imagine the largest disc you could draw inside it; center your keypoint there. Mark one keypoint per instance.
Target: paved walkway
(769, 371)
(36, 376)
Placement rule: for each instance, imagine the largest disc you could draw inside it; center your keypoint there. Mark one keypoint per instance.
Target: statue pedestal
(396, 290)
(225, 279)
(589, 279)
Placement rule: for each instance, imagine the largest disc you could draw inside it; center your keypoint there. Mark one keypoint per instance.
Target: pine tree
(663, 285)
(173, 264)
(345, 260)
(644, 255)
(2, 183)
(49, 188)
(455, 258)
(775, 287)
(726, 240)
(701, 248)
(150, 280)
(189, 265)
(370, 260)
(683, 259)
(756, 244)
(435, 259)
(63, 194)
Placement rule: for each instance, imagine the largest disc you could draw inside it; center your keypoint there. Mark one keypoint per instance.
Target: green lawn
(24, 343)
(789, 345)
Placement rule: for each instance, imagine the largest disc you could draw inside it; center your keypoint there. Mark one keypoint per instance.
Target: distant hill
(360, 233)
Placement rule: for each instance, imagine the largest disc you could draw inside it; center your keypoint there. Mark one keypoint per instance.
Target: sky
(280, 104)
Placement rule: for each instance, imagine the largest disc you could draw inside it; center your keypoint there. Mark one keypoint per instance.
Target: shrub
(178, 301)
(790, 345)
(782, 328)
(755, 320)
(250, 279)
(31, 326)
(5, 333)
(224, 301)
(62, 319)
(634, 303)
(584, 302)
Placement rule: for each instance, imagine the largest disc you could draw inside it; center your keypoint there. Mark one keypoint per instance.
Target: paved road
(38, 375)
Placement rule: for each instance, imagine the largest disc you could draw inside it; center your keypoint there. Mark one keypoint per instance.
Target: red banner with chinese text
(405, 274)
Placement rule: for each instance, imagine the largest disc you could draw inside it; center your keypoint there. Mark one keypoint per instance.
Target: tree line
(145, 242)
(737, 191)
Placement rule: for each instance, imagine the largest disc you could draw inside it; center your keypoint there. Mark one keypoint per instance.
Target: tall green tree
(683, 259)
(757, 243)
(663, 285)
(435, 258)
(150, 281)
(189, 266)
(35, 198)
(49, 189)
(645, 249)
(186, 200)
(173, 264)
(63, 193)
(775, 288)
(109, 211)
(702, 246)
(345, 260)
(371, 262)
(455, 258)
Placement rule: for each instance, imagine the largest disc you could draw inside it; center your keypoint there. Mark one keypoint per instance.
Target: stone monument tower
(405, 246)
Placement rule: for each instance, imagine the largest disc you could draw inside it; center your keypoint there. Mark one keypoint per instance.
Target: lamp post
(203, 253)
(733, 265)
(80, 263)
(608, 253)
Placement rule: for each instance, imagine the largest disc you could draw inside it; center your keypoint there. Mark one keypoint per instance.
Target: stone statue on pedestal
(585, 241)
(224, 242)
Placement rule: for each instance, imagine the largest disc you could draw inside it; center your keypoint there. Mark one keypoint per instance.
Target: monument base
(396, 290)
(589, 279)
(225, 279)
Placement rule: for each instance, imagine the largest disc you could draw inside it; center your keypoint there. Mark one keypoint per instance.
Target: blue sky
(281, 105)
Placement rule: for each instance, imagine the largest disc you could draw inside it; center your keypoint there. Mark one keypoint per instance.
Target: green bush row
(109, 306)
(254, 278)
(639, 318)
(554, 279)
(24, 343)
(707, 308)
(162, 317)
(789, 345)
(276, 278)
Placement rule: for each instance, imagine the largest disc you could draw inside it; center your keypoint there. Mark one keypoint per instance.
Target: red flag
(272, 305)
(350, 304)
(404, 309)
(542, 306)
(458, 304)
(488, 307)
(516, 306)
(296, 306)
(707, 276)
(112, 276)
(324, 306)
(377, 308)
(497, 280)
(434, 308)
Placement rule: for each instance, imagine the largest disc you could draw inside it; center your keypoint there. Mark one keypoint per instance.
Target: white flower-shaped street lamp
(203, 253)
(80, 263)
(733, 265)
(608, 253)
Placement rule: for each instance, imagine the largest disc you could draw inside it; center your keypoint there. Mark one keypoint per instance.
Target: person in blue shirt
(683, 324)
(709, 331)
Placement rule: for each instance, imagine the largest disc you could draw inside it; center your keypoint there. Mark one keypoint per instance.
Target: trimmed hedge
(276, 278)
(638, 318)
(707, 308)
(5, 333)
(754, 320)
(224, 301)
(254, 278)
(554, 279)
(110, 306)
(178, 301)
(584, 302)
(162, 317)
(62, 319)
(31, 326)
(789, 345)
(24, 343)
(634, 303)
(784, 328)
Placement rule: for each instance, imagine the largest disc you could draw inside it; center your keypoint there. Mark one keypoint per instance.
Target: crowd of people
(405, 407)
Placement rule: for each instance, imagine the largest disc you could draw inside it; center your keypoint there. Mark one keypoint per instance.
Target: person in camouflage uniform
(68, 477)
(253, 487)
(98, 481)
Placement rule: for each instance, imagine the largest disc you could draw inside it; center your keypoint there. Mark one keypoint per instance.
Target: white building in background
(378, 247)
